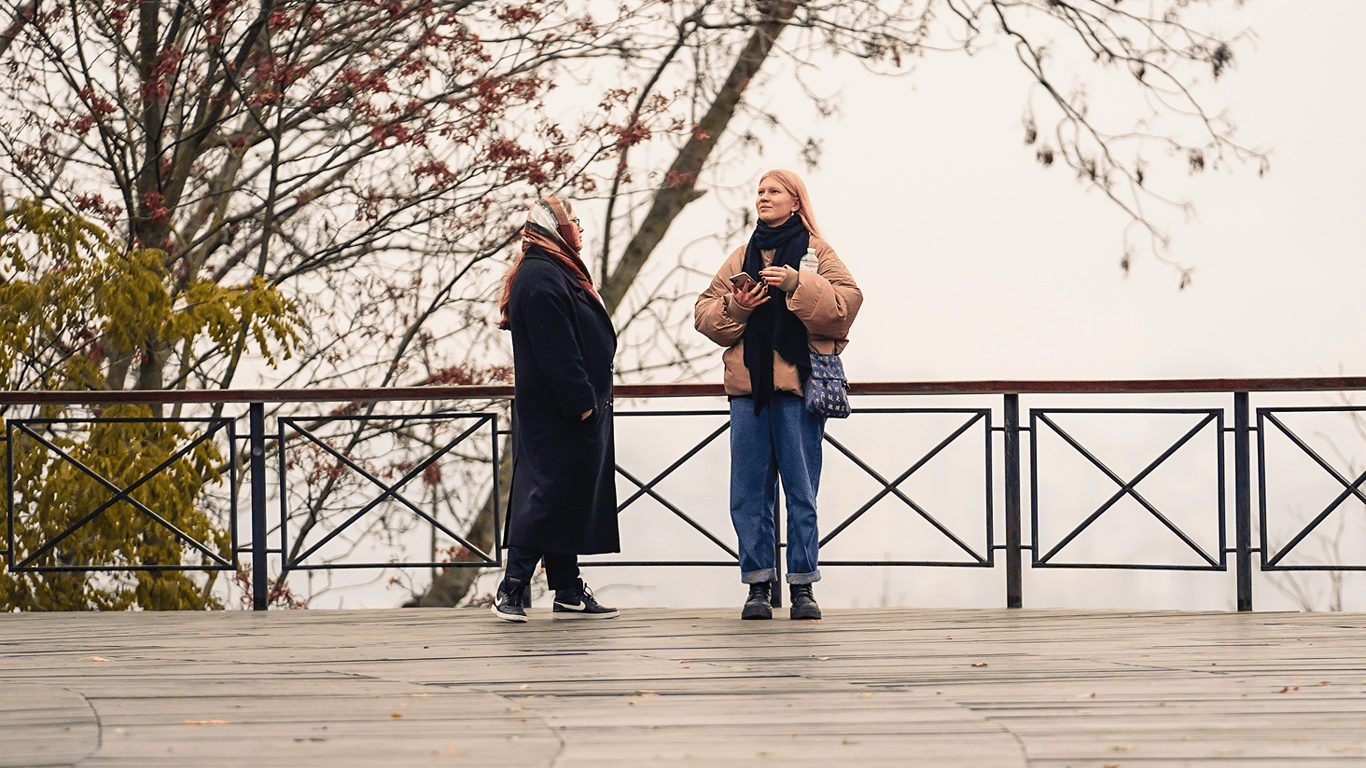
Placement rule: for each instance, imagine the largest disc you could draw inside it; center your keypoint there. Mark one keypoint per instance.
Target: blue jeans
(782, 440)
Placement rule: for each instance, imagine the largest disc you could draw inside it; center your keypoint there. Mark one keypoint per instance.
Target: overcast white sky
(1011, 271)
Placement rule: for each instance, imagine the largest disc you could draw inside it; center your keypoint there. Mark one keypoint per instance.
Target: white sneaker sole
(507, 616)
(581, 615)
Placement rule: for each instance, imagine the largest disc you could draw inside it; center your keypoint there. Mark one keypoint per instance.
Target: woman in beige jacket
(776, 298)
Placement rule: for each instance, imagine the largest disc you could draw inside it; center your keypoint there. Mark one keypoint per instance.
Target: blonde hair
(795, 187)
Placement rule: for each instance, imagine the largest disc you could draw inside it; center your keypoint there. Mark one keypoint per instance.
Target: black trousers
(561, 571)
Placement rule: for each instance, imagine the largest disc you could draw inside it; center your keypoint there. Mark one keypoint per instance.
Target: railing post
(775, 587)
(1242, 499)
(260, 588)
(1014, 567)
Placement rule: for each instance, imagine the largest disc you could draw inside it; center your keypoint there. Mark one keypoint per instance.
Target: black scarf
(772, 326)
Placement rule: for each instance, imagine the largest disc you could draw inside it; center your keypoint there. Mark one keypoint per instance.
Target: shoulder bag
(827, 391)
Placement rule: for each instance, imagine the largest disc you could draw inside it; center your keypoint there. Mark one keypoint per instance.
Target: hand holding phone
(746, 291)
(744, 281)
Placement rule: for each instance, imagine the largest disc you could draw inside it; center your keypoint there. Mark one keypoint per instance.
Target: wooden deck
(903, 687)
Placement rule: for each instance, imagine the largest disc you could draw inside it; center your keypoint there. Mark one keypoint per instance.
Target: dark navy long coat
(563, 496)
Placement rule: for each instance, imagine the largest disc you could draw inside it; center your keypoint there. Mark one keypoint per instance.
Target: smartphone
(744, 281)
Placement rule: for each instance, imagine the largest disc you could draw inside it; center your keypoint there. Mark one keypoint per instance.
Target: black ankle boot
(803, 603)
(758, 605)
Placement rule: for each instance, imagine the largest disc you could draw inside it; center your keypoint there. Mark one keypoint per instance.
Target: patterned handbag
(827, 392)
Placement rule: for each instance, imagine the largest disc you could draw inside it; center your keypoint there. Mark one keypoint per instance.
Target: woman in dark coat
(563, 500)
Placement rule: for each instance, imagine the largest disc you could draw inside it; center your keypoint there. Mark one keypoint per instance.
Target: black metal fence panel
(894, 466)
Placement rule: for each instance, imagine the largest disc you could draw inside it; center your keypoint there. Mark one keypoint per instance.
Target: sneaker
(513, 597)
(578, 603)
(803, 603)
(757, 606)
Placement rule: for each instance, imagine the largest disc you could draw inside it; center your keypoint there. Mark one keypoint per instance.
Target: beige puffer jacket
(826, 303)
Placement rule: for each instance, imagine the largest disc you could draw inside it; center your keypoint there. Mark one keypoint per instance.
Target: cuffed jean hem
(760, 576)
(809, 577)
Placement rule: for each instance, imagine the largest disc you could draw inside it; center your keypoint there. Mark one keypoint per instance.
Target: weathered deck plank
(943, 688)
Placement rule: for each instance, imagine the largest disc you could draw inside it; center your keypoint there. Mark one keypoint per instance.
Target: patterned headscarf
(550, 226)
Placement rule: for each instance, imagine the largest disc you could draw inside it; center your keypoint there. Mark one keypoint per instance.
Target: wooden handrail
(503, 391)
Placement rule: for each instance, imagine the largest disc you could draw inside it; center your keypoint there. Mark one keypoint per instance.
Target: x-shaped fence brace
(1350, 488)
(216, 561)
(389, 491)
(1126, 488)
(649, 488)
(893, 487)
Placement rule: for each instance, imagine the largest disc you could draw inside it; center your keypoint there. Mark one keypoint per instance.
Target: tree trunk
(452, 584)
(680, 183)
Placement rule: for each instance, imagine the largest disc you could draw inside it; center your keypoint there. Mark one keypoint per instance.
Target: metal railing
(1006, 440)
